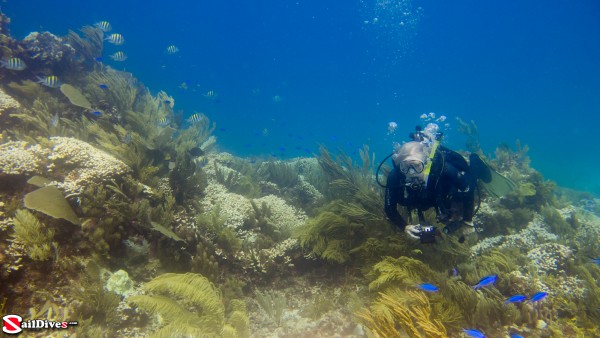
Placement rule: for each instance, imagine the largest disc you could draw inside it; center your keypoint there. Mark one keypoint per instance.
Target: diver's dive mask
(411, 167)
(413, 171)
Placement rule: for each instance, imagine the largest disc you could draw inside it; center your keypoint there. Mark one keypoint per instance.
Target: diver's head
(410, 159)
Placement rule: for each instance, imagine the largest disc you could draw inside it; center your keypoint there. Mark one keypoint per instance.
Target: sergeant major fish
(104, 26)
(13, 64)
(119, 56)
(51, 81)
(116, 39)
(172, 49)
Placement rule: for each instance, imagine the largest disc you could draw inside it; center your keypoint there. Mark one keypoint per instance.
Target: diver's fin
(479, 169)
(495, 184)
(499, 186)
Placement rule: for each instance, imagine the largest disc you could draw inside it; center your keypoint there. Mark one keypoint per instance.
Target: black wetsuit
(449, 180)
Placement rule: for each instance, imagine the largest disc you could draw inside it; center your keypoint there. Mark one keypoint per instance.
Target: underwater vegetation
(117, 214)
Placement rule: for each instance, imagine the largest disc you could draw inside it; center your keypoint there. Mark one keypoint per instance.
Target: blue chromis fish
(13, 64)
(96, 113)
(474, 333)
(195, 118)
(163, 122)
(515, 299)
(104, 26)
(172, 49)
(486, 281)
(51, 81)
(428, 287)
(596, 261)
(116, 39)
(514, 335)
(103, 86)
(119, 56)
(538, 296)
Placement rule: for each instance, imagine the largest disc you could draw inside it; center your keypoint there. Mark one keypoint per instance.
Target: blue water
(290, 75)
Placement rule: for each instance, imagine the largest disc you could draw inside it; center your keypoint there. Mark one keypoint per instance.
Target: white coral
(234, 208)
(20, 158)
(550, 257)
(7, 103)
(534, 234)
(282, 214)
(83, 164)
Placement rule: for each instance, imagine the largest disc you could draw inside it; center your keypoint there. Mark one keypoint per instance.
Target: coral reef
(139, 226)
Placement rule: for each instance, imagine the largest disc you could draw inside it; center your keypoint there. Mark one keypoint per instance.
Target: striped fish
(172, 49)
(51, 81)
(119, 56)
(13, 64)
(104, 26)
(195, 118)
(163, 122)
(116, 39)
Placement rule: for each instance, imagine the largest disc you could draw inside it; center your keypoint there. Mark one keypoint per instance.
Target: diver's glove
(413, 231)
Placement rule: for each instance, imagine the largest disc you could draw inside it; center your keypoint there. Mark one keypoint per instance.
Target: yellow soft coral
(396, 313)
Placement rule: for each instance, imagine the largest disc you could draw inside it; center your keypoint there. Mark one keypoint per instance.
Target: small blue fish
(428, 287)
(98, 59)
(167, 102)
(103, 86)
(514, 335)
(515, 299)
(96, 113)
(486, 281)
(454, 272)
(538, 296)
(474, 333)
(596, 261)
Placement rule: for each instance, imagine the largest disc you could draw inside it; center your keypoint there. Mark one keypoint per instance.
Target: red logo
(12, 324)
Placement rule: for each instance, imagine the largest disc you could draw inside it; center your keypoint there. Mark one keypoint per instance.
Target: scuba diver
(428, 175)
